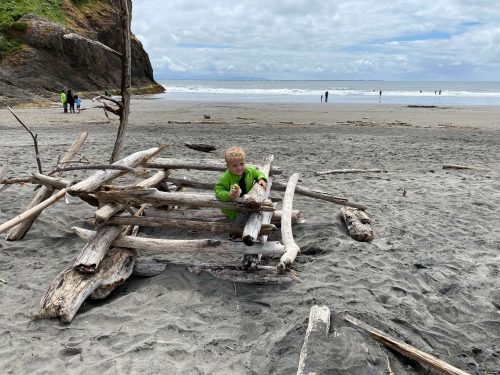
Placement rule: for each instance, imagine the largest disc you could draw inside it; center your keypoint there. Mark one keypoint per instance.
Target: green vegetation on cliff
(12, 10)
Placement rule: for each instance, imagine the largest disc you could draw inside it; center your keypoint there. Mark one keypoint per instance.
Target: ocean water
(393, 92)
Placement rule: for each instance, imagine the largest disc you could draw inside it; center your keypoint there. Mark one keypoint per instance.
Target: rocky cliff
(45, 62)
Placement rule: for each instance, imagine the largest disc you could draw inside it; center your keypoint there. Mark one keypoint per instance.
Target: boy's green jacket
(223, 186)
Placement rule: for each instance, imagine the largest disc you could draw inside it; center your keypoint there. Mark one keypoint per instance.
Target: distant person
(78, 102)
(64, 101)
(71, 101)
(380, 96)
(106, 93)
(321, 99)
(435, 92)
(439, 92)
(326, 96)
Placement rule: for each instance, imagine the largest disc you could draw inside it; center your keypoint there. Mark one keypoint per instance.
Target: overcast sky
(327, 39)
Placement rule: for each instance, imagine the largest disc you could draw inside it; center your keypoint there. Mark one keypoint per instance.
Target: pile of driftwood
(113, 249)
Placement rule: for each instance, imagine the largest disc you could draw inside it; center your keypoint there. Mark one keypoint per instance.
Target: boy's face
(236, 167)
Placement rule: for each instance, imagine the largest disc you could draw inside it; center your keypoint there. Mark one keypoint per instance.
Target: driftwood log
(358, 224)
(291, 248)
(108, 210)
(277, 186)
(200, 147)
(457, 166)
(406, 349)
(159, 198)
(261, 275)
(196, 225)
(317, 330)
(187, 246)
(196, 164)
(91, 41)
(95, 181)
(254, 198)
(33, 211)
(19, 231)
(70, 288)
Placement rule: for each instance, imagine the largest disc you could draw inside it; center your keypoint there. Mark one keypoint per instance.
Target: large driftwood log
(20, 230)
(458, 166)
(253, 199)
(291, 248)
(187, 246)
(94, 251)
(211, 215)
(343, 171)
(95, 181)
(196, 225)
(33, 211)
(70, 288)
(74, 36)
(317, 329)
(108, 210)
(197, 164)
(277, 186)
(159, 198)
(407, 350)
(358, 224)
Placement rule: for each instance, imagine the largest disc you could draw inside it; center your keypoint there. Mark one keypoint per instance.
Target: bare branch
(34, 136)
(108, 98)
(93, 166)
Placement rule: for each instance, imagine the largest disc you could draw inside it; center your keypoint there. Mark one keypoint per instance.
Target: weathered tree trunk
(20, 230)
(94, 182)
(291, 248)
(358, 224)
(262, 275)
(407, 350)
(108, 210)
(74, 36)
(125, 20)
(457, 166)
(70, 288)
(159, 198)
(317, 331)
(187, 246)
(196, 225)
(197, 164)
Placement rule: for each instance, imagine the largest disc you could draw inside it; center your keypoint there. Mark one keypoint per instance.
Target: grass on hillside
(12, 10)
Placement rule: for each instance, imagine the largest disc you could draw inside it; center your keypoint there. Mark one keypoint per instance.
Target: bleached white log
(159, 198)
(318, 328)
(74, 36)
(291, 248)
(187, 246)
(93, 182)
(19, 231)
(33, 211)
(108, 210)
(197, 164)
(70, 288)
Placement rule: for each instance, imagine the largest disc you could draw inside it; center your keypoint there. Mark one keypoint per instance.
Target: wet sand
(430, 277)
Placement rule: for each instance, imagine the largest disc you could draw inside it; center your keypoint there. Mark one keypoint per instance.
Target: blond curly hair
(234, 154)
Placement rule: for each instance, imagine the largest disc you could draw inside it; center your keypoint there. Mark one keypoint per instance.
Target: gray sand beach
(430, 277)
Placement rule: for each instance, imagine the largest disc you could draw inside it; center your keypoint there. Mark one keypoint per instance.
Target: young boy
(237, 180)
(78, 103)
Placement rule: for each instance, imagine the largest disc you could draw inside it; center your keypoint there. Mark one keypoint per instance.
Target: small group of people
(326, 97)
(70, 99)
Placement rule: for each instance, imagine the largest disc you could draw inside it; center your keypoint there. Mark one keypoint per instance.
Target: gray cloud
(298, 39)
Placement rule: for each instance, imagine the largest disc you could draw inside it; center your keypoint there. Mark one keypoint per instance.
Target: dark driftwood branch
(108, 98)
(35, 141)
(74, 36)
(125, 17)
(94, 166)
(407, 350)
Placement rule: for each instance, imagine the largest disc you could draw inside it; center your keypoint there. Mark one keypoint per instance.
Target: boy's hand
(234, 193)
(263, 183)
